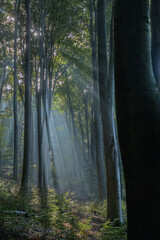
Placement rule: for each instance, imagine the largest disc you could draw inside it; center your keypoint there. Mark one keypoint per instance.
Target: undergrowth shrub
(61, 217)
(113, 232)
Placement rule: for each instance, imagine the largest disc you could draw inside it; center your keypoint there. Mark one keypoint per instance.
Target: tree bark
(4, 75)
(27, 119)
(15, 167)
(40, 99)
(138, 116)
(106, 89)
(96, 107)
(85, 102)
(155, 46)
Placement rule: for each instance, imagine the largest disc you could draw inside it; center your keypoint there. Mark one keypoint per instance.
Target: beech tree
(97, 154)
(15, 169)
(27, 113)
(106, 90)
(138, 116)
(155, 39)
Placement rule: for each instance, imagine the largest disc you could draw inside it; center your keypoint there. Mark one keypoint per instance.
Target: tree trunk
(39, 120)
(54, 173)
(138, 116)
(78, 155)
(85, 102)
(15, 167)
(27, 119)
(96, 108)
(93, 156)
(106, 89)
(4, 75)
(41, 90)
(155, 29)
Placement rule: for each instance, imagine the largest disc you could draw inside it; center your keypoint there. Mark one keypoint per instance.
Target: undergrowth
(61, 217)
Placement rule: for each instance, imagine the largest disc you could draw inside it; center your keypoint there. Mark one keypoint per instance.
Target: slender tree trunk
(39, 116)
(93, 141)
(96, 108)
(55, 177)
(41, 100)
(82, 138)
(78, 155)
(40, 97)
(27, 119)
(155, 30)
(2, 83)
(138, 117)
(15, 167)
(47, 110)
(97, 142)
(106, 89)
(4, 72)
(93, 157)
(85, 102)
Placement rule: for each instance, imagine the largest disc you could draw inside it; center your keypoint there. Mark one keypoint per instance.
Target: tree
(138, 116)
(15, 168)
(155, 43)
(27, 117)
(106, 91)
(96, 152)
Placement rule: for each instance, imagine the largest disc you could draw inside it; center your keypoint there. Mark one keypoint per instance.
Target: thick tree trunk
(27, 119)
(106, 89)
(138, 116)
(155, 30)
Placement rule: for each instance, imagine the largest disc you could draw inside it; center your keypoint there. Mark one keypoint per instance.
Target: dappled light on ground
(63, 217)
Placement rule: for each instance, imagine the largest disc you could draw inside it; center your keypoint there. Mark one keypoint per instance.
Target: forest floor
(61, 217)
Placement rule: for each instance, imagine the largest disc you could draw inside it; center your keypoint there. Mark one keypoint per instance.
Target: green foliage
(112, 232)
(98, 208)
(124, 212)
(60, 217)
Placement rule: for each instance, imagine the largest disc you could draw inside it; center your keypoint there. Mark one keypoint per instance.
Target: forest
(79, 119)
